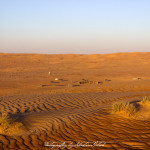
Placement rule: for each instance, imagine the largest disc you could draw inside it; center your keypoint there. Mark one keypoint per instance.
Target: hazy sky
(74, 26)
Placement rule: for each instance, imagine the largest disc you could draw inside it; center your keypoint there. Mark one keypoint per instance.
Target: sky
(74, 26)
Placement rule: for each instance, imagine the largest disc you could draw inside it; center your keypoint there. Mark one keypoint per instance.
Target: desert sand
(68, 98)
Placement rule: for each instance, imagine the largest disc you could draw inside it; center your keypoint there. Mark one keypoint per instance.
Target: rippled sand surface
(67, 111)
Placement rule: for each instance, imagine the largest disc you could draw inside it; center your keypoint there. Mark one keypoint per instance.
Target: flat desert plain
(71, 101)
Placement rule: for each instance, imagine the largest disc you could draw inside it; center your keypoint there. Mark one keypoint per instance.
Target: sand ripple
(74, 117)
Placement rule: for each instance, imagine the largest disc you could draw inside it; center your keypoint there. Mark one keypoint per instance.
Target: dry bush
(126, 107)
(145, 100)
(5, 122)
(9, 126)
(119, 106)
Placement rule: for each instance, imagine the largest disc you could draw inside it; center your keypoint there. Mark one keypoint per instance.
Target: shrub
(126, 107)
(145, 100)
(131, 110)
(4, 123)
(119, 106)
(10, 126)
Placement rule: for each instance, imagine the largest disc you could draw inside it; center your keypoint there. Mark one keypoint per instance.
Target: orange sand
(65, 110)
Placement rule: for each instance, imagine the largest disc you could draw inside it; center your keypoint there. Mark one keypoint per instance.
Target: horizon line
(72, 53)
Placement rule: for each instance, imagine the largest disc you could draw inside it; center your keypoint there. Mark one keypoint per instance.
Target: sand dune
(66, 110)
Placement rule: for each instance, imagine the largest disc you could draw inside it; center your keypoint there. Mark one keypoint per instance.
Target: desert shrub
(131, 110)
(10, 126)
(119, 106)
(126, 107)
(145, 100)
(5, 121)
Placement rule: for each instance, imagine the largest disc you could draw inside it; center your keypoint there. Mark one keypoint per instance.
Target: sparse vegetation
(119, 106)
(10, 126)
(145, 100)
(125, 107)
(4, 123)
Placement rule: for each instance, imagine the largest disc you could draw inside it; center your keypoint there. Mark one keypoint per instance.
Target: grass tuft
(9, 126)
(5, 121)
(125, 107)
(145, 100)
